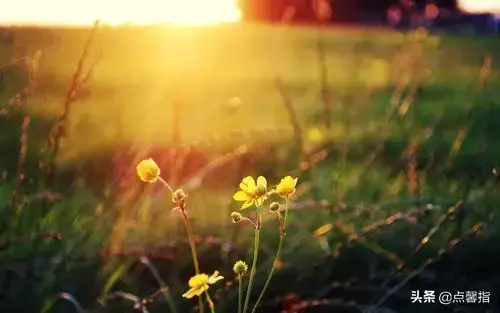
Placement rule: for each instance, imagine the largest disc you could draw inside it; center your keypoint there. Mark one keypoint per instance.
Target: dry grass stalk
(32, 65)
(323, 13)
(60, 128)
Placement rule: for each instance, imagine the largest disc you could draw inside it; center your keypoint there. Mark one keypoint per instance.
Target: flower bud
(237, 217)
(274, 207)
(178, 196)
(240, 268)
(261, 190)
(148, 171)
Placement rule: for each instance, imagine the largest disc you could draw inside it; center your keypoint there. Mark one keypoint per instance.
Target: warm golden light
(116, 12)
(480, 5)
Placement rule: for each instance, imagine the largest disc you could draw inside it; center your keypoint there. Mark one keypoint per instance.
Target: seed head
(240, 268)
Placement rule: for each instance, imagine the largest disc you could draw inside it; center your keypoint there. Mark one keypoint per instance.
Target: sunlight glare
(116, 12)
(477, 6)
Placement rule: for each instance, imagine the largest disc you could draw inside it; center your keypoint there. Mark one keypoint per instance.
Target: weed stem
(210, 302)
(254, 262)
(165, 184)
(194, 254)
(189, 231)
(240, 292)
(276, 259)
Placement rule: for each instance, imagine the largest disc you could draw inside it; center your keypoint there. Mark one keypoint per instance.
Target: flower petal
(260, 201)
(215, 278)
(261, 180)
(198, 280)
(248, 184)
(247, 204)
(241, 196)
(190, 293)
(295, 181)
(195, 291)
(201, 290)
(281, 184)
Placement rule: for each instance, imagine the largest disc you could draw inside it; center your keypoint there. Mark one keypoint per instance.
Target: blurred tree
(342, 11)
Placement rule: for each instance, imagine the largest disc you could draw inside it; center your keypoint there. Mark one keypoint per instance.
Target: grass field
(409, 130)
(139, 73)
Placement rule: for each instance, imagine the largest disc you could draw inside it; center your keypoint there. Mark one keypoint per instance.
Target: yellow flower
(148, 171)
(251, 192)
(286, 187)
(200, 283)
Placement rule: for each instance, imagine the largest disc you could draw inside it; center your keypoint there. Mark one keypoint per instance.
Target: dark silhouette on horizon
(343, 11)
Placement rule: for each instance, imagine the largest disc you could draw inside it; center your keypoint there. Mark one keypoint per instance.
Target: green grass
(141, 72)
(127, 105)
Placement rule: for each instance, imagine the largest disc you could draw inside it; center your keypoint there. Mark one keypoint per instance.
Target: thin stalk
(200, 305)
(268, 281)
(194, 254)
(323, 73)
(60, 127)
(254, 262)
(210, 302)
(189, 230)
(286, 216)
(240, 292)
(276, 258)
(192, 245)
(163, 285)
(165, 184)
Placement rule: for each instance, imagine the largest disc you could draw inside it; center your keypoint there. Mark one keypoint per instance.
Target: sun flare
(480, 5)
(116, 12)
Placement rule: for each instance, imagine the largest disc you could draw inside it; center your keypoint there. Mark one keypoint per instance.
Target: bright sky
(77, 12)
(480, 5)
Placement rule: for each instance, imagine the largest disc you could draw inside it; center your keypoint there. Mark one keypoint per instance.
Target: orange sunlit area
(116, 12)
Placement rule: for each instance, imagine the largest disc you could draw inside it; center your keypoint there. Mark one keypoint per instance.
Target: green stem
(194, 254)
(164, 183)
(254, 262)
(200, 304)
(240, 292)
(210, 302)
(276, 258)
(266, 285)
(162, 284)
(191, 241)
(192, 245)
(286, 215)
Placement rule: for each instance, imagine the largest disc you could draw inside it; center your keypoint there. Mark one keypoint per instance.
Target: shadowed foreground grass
(401, 171)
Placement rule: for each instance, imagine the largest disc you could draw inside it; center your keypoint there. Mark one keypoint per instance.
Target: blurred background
(386, 111)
